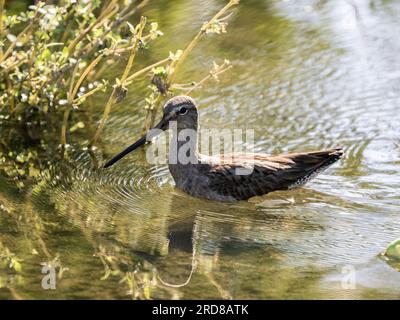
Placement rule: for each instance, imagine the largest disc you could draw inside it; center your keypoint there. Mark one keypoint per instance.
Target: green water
(307, 75)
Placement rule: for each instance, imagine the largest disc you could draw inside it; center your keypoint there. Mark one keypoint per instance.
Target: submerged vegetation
(54, 66)
(53, 60)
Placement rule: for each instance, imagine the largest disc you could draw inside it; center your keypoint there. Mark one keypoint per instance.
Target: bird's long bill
(163, 125)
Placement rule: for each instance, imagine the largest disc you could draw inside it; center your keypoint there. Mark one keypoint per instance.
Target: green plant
(52, 62)
(163, 79)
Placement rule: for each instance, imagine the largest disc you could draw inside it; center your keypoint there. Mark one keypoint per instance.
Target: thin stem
(113, 98)
(196, 39)
(130, 13)
(12, 45)
(137, 38)
(79, 100)
(84, 74)
(108, 12)
(64, 126)
(68, 24)
(68, 109)
(206, 78)
(26, 31)
(1, 25)
(111, 101)
(10, 93)
(129, 79)
(1, 15)
(14, 65)
(125, 15)
(150, 116)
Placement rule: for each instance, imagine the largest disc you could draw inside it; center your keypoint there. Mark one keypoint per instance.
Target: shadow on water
(308, 75)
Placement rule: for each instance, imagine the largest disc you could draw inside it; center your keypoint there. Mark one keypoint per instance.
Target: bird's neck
(183, 147)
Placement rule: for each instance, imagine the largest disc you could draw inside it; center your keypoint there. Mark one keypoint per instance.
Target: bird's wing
(246, 175)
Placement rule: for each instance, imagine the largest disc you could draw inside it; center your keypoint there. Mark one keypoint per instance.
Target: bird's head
(180, 109)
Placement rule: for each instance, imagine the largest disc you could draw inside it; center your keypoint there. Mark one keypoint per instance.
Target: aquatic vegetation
(56, 61)
(53, 60)
(8, 259)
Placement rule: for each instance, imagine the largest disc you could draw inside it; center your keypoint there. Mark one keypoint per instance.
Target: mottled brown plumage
(232, 177)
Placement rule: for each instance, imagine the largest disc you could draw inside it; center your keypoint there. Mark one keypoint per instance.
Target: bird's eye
(183, 111)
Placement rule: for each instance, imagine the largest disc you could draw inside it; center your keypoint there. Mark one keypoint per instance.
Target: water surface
(307, 75)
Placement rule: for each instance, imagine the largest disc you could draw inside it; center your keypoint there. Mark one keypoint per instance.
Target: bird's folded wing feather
(264, 173)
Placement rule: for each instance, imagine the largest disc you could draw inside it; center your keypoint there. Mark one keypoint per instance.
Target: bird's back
(242, 176)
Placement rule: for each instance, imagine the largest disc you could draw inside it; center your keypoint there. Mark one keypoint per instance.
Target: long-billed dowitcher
(218, 180)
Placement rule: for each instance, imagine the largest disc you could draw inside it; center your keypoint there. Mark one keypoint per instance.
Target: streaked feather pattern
(221, 182)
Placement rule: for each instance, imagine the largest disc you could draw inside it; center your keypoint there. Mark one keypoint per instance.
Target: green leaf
(159, 71)
(46, 54)
(76, 126)
(64, 53)
(393, 250)
(16, 265)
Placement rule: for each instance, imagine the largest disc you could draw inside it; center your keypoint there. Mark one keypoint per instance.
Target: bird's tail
(308, 164)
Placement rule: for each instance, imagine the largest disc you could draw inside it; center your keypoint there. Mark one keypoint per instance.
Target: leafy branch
(216, 25)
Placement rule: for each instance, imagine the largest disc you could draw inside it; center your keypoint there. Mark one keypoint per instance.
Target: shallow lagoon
(307, 75)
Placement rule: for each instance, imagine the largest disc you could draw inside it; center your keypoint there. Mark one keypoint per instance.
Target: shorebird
(218, 180)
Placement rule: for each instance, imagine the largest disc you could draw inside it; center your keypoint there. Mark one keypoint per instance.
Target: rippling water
(307, 75)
